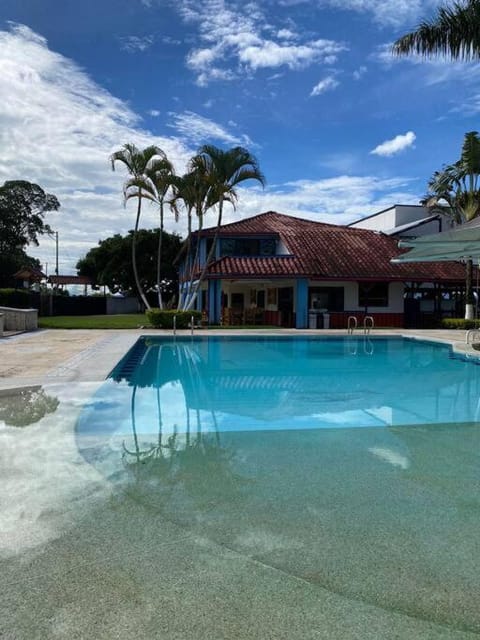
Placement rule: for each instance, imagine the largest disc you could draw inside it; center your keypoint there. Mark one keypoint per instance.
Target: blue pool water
(264, 383)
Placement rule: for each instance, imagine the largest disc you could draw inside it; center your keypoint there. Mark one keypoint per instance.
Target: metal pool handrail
(352, 324)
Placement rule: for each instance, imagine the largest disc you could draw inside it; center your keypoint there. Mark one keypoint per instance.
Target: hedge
(163, 319)
(459, 323)
(16, 298)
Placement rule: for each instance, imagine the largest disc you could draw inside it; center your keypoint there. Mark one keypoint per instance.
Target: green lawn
(125, 321)
(121, 321)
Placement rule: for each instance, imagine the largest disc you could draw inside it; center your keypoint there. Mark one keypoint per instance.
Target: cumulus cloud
(327, 84)
(237, 40)
(396, 145)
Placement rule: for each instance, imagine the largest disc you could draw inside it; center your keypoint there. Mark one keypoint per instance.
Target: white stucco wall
(395, 296)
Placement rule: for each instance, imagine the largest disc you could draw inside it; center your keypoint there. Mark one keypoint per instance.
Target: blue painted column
(214, 301)
(301, 304)
(202, 253)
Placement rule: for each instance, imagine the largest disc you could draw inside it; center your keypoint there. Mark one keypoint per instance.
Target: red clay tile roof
(326, 251)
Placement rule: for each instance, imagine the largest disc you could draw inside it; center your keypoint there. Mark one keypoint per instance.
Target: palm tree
(137, 162)
(455, 192)
(223, 171)
(153, 185)
(194, 191)
(454, 32)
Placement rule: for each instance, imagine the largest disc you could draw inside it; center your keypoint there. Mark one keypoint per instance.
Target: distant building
(404, 221)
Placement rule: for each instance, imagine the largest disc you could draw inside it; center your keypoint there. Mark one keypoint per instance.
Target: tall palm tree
(454, 32)
(194, 191)
(455, 192)
(137, 162)
(153, 185)
(223, 171)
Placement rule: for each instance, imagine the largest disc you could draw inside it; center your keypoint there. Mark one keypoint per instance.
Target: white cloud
(327, 84)
(396, 145)
(394, 13)
(132, 44)
(360, 72)
(154, 113)
(58, 128)
(233, 43)
(337, 200)
(199, 129)
(271, 54)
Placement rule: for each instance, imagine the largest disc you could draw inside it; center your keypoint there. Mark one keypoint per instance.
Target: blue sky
(340, 128)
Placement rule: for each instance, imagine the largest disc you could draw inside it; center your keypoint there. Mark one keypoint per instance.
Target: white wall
(395, 296)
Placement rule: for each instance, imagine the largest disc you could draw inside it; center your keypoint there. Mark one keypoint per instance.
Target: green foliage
(163, 319)
(459, 323)
(16, 298)
(453, 32)
(110, 263)
(22, 208)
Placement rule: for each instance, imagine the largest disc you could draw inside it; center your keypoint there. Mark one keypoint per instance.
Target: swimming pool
(264, 383)
(285, 488)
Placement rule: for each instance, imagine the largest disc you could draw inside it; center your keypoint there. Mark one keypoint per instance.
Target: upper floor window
(247, 247)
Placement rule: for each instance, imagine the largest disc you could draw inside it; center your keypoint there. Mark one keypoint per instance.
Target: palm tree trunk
(159, 258)
(134, 255)
(211, 253)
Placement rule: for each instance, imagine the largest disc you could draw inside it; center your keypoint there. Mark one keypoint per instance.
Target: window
(331, 298)
(373, 294)
(247, 247)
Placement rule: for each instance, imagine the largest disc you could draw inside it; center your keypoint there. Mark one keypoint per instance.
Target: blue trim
(214, 301)
(301, 303)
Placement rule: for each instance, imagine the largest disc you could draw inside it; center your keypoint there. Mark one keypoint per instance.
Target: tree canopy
(22, 208)
(110, 262)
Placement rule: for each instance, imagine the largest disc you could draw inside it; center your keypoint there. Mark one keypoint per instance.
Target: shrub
(459, 323)
(16, 298)
(163, 319)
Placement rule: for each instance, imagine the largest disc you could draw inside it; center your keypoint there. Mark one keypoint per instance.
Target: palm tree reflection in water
(187, 467)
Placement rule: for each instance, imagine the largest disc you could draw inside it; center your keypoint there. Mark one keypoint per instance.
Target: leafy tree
(454, 32)
(138, 163)
(455, 192)
(110, 263)
(22, 208)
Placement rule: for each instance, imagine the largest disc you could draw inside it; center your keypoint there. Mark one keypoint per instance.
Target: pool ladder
(352, 324)
(192, 324)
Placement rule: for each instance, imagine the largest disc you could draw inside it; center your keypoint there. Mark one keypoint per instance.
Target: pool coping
(89, 356)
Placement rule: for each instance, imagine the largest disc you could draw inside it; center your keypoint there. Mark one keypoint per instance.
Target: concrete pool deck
(56, 355)
(86, 554)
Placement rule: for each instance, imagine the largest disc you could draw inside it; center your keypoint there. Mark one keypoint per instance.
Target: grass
(120, 321)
